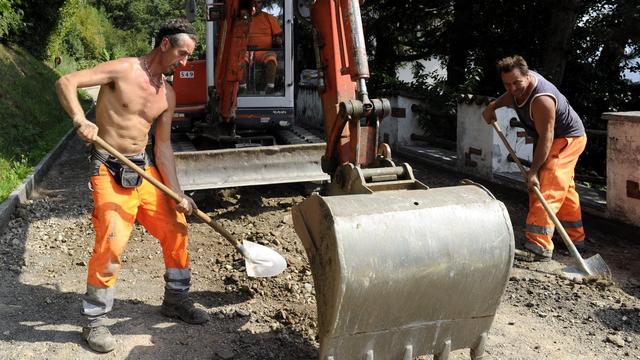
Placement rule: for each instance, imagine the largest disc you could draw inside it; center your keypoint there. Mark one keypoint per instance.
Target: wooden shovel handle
(175, 196)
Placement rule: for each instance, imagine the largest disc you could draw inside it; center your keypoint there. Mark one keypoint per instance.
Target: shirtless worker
(560, 137)
(133, 94)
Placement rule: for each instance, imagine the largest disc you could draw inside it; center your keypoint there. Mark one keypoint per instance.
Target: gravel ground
(45, 249)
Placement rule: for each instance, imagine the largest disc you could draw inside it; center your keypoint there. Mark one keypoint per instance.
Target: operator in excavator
(264, 33)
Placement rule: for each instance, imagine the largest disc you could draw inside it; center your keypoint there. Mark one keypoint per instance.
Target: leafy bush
(86, 35)
(10, 17)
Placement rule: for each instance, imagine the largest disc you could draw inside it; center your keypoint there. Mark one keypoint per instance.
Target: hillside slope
(31, 120)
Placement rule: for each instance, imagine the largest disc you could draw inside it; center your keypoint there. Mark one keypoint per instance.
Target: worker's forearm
(540, 153)
(167, 167)
(503, 100)
(68, 97)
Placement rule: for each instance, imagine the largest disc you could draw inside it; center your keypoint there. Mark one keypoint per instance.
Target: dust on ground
(45, 249)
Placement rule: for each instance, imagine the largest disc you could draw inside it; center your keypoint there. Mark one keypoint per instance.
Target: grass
(32, 121)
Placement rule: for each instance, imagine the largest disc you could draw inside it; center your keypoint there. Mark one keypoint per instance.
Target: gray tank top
(568, 123)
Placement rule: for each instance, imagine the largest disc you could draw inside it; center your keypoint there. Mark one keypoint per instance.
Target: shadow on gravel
(225, 336)
(620, 319)
(210, 299)
(43, 314)
(21, 314)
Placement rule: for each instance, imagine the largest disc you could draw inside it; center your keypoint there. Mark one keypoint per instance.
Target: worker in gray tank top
(560, 139)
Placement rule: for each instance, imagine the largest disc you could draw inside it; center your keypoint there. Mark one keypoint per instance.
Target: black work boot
(177, 304)
(98, 336)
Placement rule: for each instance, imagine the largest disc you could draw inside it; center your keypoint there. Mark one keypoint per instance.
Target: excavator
(400, 269)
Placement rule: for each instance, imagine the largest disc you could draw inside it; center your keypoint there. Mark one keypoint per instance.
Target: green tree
(10, 17)
(583, 46)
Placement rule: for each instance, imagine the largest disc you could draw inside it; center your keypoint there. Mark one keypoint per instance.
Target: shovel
(593, 266)
(260, 261)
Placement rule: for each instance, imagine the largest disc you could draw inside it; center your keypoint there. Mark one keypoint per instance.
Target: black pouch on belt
(124, 175)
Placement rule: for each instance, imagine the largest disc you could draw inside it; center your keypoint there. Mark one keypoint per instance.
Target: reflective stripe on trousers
(559, 190)
(115, 211)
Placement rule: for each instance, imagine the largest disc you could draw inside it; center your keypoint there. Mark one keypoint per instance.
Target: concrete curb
(24, 191)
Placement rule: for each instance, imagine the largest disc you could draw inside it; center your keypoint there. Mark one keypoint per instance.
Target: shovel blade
(262, 261)
(597, 268)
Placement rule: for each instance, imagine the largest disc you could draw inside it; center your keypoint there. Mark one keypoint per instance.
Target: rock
(616, 339)
(242, 313)
(308, 287)
(225, 354)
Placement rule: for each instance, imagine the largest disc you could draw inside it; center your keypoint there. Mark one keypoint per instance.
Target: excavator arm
(353, 158)
(400, 270)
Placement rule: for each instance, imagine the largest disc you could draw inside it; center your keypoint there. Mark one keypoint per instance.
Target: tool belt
(123, 174)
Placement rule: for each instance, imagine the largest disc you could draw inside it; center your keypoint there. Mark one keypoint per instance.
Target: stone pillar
(480, 151)
(396, 129)
(623, 166)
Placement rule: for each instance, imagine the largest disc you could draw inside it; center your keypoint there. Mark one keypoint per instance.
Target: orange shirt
(262, 29)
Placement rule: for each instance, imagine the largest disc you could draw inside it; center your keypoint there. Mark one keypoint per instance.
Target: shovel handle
(172, 194)
(563, 233)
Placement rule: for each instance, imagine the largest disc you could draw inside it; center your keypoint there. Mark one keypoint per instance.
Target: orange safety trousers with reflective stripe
(559, 190)
(115, 211)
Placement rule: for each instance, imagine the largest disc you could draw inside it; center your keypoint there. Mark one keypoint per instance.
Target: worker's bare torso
(127, 107)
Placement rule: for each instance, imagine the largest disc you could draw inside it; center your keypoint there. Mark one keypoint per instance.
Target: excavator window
(264, 61)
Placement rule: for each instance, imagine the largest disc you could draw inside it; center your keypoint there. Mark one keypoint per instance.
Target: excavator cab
(264, 63)
(265, 95)
(234, 120)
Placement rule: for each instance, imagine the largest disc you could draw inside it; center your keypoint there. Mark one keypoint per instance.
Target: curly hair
(509, 63)
(173, 30)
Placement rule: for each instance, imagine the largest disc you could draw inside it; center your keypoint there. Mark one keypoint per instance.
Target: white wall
(479, 149)
(623, 165)
(399, 129)
(518, 143)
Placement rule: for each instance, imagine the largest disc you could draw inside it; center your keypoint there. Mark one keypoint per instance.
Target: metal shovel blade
(596, 266)
(262, 261)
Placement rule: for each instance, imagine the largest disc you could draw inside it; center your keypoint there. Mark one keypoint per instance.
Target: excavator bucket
(399, 274)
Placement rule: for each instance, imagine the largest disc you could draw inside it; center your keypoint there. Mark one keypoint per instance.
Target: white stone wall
(518, 143)
(399, 129)
(623, 166)
(479, 149)
(474, 141)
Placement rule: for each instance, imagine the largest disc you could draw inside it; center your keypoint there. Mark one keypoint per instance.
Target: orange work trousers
(559, 190)
(115, 211)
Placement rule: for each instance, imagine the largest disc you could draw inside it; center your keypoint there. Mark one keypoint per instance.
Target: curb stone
(24, 191)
